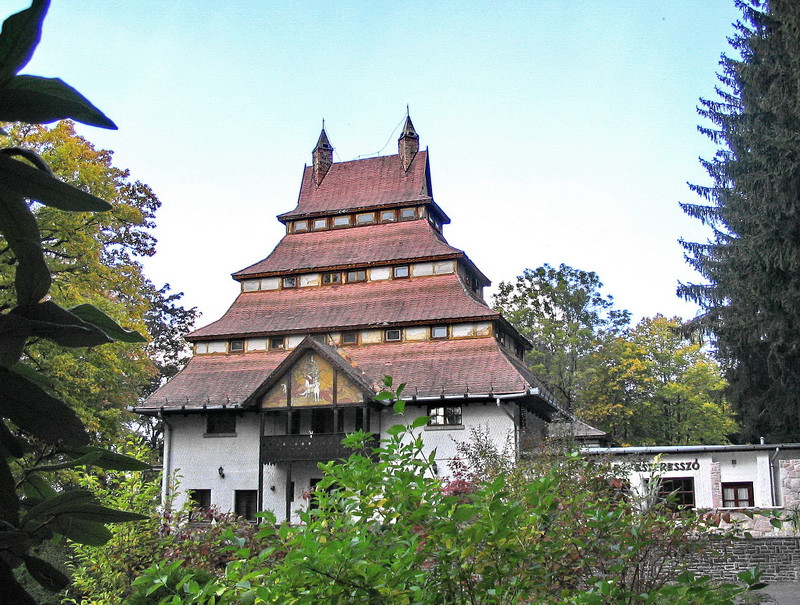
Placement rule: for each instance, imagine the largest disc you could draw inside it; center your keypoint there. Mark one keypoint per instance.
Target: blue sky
(558, 131)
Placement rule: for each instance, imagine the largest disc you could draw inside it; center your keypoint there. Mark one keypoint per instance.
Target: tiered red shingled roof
(438, 298)
(364, 184)
(368, 245)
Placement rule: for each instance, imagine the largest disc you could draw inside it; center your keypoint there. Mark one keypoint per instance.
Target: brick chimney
(322, 157)
(408, 144)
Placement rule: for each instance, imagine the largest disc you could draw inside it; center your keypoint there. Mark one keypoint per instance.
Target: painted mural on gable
(312, 381)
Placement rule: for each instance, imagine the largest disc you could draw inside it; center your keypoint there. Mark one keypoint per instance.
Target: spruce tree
(751, 301)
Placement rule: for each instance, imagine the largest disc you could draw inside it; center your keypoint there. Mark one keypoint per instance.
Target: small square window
(349, 338)
(439, 332)
(331, 278)
(355, 276)
(677, 491)
(341, 221)
(246, 502)
(388, 216)
(320, 223)
(365, 219)
(737, 495)
(392, 335)
(237, 346)
(276, 343)
(401, 271)
(220, 423)
(300, 226)
(445, 415)
(289, 282)
(407, 214)
(200, 498)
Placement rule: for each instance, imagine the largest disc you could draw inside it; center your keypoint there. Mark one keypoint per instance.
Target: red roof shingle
(366, 183)
(425, 299)
(373, 244)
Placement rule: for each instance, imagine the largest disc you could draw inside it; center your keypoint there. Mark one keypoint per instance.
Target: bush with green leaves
(386, 531)
(40, 435)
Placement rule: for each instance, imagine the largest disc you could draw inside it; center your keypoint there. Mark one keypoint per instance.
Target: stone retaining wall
(778, 559)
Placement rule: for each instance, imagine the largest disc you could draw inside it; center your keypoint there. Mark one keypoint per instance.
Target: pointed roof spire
(408, 143)
(322, 156)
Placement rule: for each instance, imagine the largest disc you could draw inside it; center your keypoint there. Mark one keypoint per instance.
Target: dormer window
(289, 282)
(341, 221)
(320, 223)
(236, 346)
(300, 226)
(331, 278)
(365, 219)
(407, 214)
(349, 338)
(400, 271)
(392, 335)
(277, 343)
(388, 216)
(356, 276)
(438, 332)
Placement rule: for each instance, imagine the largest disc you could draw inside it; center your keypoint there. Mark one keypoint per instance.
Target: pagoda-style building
(363, 285)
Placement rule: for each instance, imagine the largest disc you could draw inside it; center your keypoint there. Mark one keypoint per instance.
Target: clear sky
(558, 131)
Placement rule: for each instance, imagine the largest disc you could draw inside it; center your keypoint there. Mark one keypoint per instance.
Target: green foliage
(384, 530)
(564, 315)
(651, 384)
(751, 264)
(39, 433)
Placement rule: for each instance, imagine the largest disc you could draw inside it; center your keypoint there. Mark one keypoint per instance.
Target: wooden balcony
(298, 448)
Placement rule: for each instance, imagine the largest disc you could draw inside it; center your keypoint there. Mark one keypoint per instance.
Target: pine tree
(751, 301)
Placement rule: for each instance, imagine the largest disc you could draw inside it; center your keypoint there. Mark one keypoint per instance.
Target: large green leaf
(16, 219)
(13, 334)
(26, 181)
(80, 531)
(59, 503)
(95, 316)
(14, 541)
(44, 573)
(35, 411)
(12, 591)
(33, 277)
(10, 445)
(20, 36)
(48, 320)
(102, 514)
(36, 487)
(9, 501)
(38, 100)
(109, 460)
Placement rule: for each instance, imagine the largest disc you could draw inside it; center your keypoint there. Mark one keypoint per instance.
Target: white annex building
(363, 285)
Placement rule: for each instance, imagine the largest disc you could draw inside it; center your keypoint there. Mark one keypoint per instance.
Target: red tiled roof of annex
(365, 183)
(373, 244)
(216, 380)
(432, 299)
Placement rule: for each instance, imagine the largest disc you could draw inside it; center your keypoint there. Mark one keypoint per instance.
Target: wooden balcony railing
(297, 448)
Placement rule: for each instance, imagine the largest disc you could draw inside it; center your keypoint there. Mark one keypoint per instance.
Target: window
(678, 491)
(439, 332)
(237, 346)
(388, 216)
(407, 214)
(365, 219)
(320, 223)
(289, 282)
(341, 221)
(445, 415)
(220, 423)
(354, 276)
(322, 421)
(331, 278)
(392, 335)
(276, 342)
(300, 226)
(400, 271)
(737, 495)
(245, 503)
(200, 498)
(349, 338)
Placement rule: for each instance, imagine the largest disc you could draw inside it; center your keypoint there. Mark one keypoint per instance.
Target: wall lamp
(221, 472)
